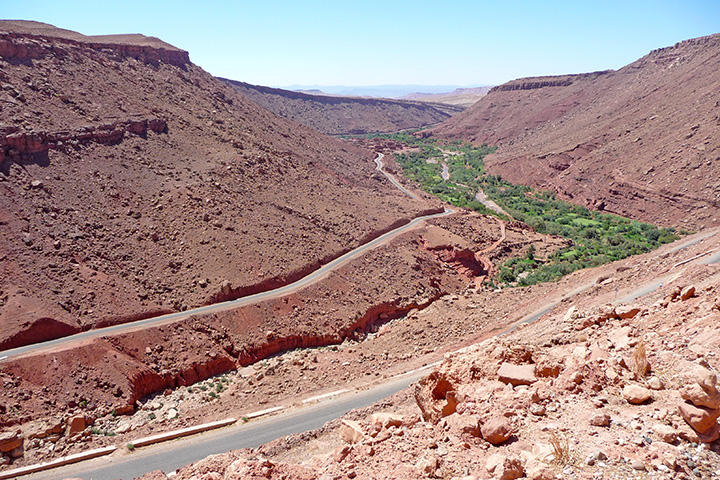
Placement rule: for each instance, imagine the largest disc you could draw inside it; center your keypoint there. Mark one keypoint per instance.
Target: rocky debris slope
(345, 115)
(595, 389)
(134, 183)
(375, 302)
(641, 141)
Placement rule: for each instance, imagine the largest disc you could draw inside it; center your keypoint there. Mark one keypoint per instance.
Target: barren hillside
(346, 115)
(641, 141)
(133, 182)
(604, 386)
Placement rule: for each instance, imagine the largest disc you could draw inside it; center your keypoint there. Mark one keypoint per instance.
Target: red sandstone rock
(687, 292)
(701, 397)
(496, 430)
(625, 312)
(351, 432)
(9, 441)
(517, 374)
(636, 394)
(699, 418)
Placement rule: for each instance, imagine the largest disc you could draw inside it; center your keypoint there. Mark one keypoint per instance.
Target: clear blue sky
(372, 42)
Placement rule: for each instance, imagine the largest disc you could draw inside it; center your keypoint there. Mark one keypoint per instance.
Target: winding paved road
(310, 279)
(379, 168)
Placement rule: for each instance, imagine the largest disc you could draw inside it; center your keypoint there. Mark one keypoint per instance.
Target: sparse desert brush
(640, 365)
(561, 449)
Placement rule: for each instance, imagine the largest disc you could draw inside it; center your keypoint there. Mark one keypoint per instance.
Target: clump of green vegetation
(596, 237)
(465, 168)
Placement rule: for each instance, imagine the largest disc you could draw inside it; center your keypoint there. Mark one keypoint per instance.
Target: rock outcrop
(16, 143)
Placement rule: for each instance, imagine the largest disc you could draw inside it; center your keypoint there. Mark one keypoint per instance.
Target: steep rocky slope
(346, 115)
(602, 387)
(641, 141)
(375, 297)
(133, 182)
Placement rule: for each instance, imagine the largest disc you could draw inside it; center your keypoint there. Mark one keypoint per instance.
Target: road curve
(380, 169)
(308, 280)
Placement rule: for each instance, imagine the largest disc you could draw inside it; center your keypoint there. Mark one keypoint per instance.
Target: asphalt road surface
(172, 455)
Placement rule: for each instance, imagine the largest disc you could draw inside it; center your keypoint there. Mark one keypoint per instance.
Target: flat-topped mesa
(25, 40)
(531, 83)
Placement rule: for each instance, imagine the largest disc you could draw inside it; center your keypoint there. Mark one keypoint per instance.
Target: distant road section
(379, 168)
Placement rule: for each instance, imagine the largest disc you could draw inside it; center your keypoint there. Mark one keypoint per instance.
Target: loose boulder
(351, 432)
(496, 430)
(10, 441)
(636, 394)
(517, 374)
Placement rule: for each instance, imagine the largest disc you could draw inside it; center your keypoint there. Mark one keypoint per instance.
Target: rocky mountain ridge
(337, 115)
(640, 141)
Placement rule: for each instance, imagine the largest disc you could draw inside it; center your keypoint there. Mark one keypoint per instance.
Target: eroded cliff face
(533, 83)
(19, 145)
(27, 40)
(640, 141)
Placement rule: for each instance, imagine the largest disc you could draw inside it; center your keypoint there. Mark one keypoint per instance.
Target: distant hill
(642, 141)
(335, 115)
(375, 91)
(463, 97)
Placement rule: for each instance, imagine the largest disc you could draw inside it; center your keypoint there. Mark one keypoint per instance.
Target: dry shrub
(561, 449)
(640, 364)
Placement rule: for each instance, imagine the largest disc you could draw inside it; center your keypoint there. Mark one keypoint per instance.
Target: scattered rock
(600, 420)
(687, 292)
(517, 374)
(655, 383)
(701, 419)
(666, 433)
(594, 457)
(427, 466)
(505, 468)
(701, 397)
(625, 312)
(462, 424)
(351, 432)
(76, 424)
(9, 441)
(386, 420)
(636, 394)
(496, 430)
